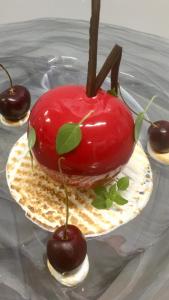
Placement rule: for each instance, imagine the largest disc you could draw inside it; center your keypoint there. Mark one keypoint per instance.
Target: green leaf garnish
(31, 138)
(123, 183)
(99, 202)
(108, 203)
(31, 142)
(100, 190)
(120, 200)
(112, 92)
(140, 118)
(101, 196)
(113, 189)
(138, 125)
(106, 196)
(68, 138)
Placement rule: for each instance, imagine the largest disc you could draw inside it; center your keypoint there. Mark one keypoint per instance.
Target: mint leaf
(31, 138)
(109, 203)
(112, 189)
(138, 124)
(100, 190)
(99, 202)
(68, 138)
(120, 200)
(123, 183)
(140, 118)
(104, 199)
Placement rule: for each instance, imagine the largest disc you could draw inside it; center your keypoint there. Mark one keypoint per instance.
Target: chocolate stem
(67, 196)
(10, 79)
(110, 63)
(93, 41)
(115, 73)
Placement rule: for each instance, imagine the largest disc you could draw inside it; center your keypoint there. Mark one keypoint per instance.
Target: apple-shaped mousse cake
(107, 134)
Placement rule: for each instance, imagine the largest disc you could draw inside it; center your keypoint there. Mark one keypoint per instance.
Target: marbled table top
(132, 263)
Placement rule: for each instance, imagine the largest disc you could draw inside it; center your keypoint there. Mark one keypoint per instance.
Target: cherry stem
(10, 79)
(86, 117)
(67, 196)
(29, 151)
(133, 111)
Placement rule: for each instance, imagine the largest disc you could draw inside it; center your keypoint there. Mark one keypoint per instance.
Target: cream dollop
(163, 158)
(71, 278)
(13, 123)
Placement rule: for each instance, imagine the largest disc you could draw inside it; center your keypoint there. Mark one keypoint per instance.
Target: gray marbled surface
(133, 262)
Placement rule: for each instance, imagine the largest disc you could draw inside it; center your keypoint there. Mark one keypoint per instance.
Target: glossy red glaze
(108, 134)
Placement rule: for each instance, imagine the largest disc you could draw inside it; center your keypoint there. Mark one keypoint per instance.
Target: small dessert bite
(14, 104)
(67, 258)
(158, 143)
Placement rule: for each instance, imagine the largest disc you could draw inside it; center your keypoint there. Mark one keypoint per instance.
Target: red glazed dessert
(107, 134)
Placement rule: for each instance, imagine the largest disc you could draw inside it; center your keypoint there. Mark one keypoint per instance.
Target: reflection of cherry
(66, 254)
(159, 136)
(15, 101)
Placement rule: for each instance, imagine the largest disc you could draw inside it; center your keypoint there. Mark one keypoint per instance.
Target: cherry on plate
(158, 134)
(66, 253)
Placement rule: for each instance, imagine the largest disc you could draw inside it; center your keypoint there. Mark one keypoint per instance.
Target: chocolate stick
(93, 40)
(112, 61)
(115, 74)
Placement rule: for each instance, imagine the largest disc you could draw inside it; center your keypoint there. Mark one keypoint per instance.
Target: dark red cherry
(15, 103)
(66, 253)
(159, 136)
